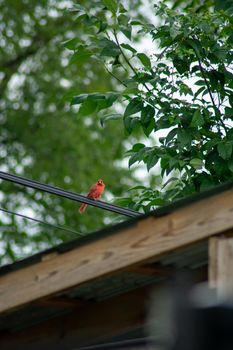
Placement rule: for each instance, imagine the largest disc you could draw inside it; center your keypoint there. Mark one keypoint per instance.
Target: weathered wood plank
(225, 269)
(146, 239)
(221, 266)
(212, 266)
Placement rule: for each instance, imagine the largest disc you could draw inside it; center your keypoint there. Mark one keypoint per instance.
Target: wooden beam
(92, 323)
(221, 267)
(61, 303)
(212, 266)
(152, 270)
(225, 269)
(213, 255)
(145, 239)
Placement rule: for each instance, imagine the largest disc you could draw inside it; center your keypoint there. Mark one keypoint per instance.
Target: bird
(95, 193)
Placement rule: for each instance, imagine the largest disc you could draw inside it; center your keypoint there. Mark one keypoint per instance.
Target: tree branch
(127, 61)
(114, 76)
(209, 91)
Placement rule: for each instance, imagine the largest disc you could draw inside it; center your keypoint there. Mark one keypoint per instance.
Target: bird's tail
(82, 208)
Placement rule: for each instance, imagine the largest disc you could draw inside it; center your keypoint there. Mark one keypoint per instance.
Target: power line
(67, 194)
(41, 222)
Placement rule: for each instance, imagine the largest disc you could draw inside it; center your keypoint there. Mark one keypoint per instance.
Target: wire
(41, 222)
(67, 194)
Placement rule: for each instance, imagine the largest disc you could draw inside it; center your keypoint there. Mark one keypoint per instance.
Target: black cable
(41, 222)
(67, 194)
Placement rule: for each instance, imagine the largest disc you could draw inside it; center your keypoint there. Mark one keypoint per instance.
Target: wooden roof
(112, 267)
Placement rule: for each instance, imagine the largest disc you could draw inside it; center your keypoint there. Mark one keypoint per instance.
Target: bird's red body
(95, 193)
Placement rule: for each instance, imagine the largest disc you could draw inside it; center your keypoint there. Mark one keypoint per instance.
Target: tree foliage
(41, 136)
(183, 90)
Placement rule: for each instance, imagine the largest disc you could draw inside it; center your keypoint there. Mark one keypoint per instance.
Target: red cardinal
(95, 193)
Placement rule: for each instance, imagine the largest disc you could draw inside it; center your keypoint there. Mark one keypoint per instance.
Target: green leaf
(209, 145)
(206, 183)
(230, 164)
(132, 89)
(196, 163)
(184, 138)
(108, 117)
(171, 135)
(81, 55)
(162, 139)
(111, 5)
(139, 187)
(181, 65)
(225, 5)
(127, 31)
(229, 112)
(88, 107)
(133, 107)
(102, 26)
(199, 91)
(71, 44)
(128, 47)
(147, 129)
(111, 97)
(216, 78)
(220, 166)
(76, 100)
(123, 19)
(231, 99)
(195, 45)
(151, 160)
(174, 32)
(109, 48)
(144, 59)
(138, 156)
(200, 83)
(130, 123)
(147, 113)
(185, 89)
(220, 52)
(225, 149)
(163, 123)
(157, 202)
(77, 8)
(124, 202)
(197, 120)
(133, 159)
(93, 96)
(172, 179)
(136, 23)
(107, 101)
(137, 147)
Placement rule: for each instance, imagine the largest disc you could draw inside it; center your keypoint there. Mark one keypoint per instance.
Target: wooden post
(221, 267)
(225, 268)
(212, 266)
